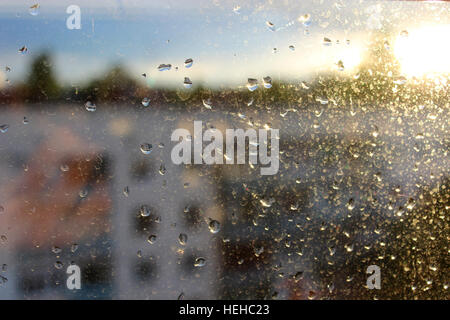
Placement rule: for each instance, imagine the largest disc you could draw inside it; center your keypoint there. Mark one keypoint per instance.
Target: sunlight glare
(424, 51)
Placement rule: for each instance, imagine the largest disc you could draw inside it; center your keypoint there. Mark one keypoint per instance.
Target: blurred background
(359, 92)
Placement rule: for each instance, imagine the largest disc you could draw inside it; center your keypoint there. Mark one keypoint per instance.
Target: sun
(424, 51)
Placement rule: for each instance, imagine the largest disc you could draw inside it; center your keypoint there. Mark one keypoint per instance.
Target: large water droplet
(164, 67)
(200, 262)
(340, 65)
(83, 193)
(214, 226)
(146, 148)
(56, 250)
(305, 20)
(162, 170)
(145, 102)
(182, 239)
(4, 128)
(23, 50)
(252, 84)
(327, 42)
(144, 211)
(267, 82)
(207, 103)
(187, 83)
(188, 63)
(34, 10)
(151, 239)
(270, 26)
(90, 106)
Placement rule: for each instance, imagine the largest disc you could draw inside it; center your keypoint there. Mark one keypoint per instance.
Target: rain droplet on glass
(187, 83)
(305, 20)
(252, 84)
(207, 103)
(151, 239)
(4, 128)
(199, 262)
(267, 82)
(146, 148)
(164, 67)
(214, 226)
(144, 211)
(23, 50)
(182, 239)
(326, 42)
(270, 26)
(34, 9)
(145, 102)
(188, 63)
(90, 106)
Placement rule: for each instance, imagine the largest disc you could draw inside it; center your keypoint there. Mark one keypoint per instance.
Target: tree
(42, 84)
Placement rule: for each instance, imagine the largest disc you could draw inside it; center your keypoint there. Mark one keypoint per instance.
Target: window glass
(224, 149)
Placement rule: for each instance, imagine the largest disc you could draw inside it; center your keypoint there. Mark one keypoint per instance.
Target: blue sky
(227, 47)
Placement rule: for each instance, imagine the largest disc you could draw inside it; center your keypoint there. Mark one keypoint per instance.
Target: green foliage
(42, 84)
(116, 85)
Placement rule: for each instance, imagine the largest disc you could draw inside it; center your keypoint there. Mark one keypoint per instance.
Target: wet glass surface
(357, 89)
